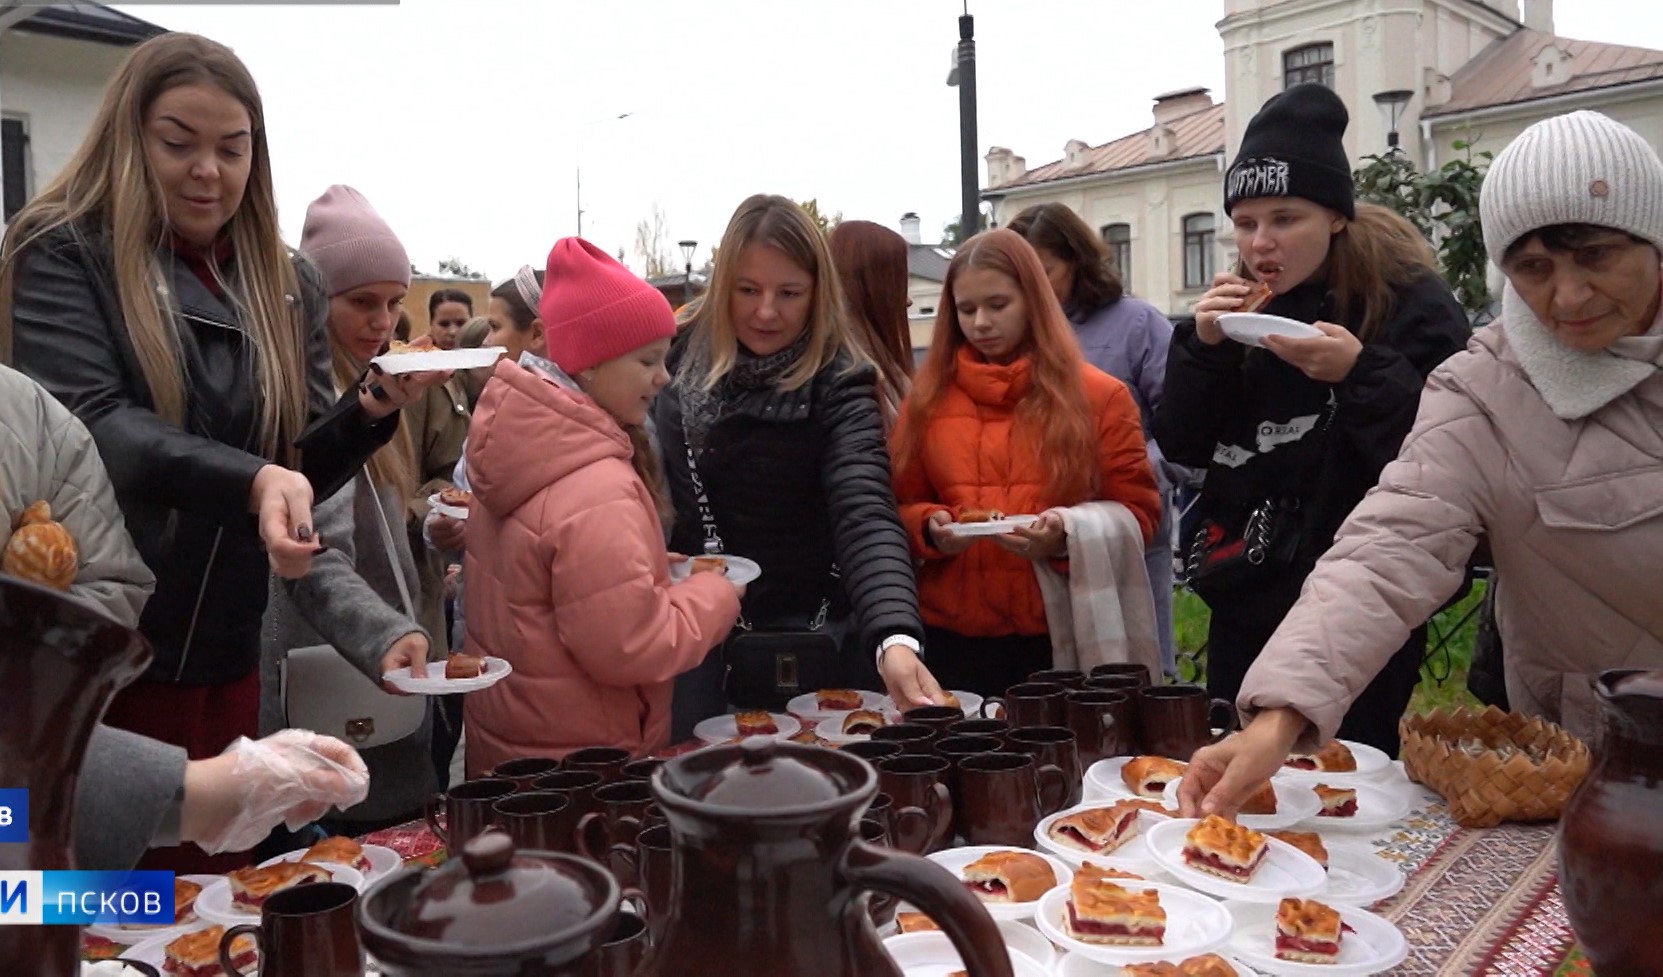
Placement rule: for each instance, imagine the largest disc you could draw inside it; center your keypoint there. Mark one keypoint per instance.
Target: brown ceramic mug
(608, 761)
(1031, 704)
(307, 931)
(1102, 723)
(915, 738)
(1134, 669)
(996, 728)
(524, 770)
(623, 806)
(623, 949)
(871, 750)
(1176, 720)
(937, 718)
(1129, 684)
(537, 820)
(640, 769)
(1053, 746)
(1068, 678)
(880, 906)
(649, 862)
(922, 814)
(467, 810)
(1005, 796)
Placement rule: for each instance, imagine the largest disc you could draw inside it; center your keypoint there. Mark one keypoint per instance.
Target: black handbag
(1222, 561)
(769, 664)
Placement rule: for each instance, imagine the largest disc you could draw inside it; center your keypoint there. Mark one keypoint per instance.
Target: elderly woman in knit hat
(1542, 436)
(360, 595)
(568, 577)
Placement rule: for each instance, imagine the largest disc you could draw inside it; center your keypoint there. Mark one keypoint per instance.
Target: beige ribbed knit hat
(1578, 168)
(350, 243)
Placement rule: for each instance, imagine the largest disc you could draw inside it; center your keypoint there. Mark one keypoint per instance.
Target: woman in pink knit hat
(568, 578)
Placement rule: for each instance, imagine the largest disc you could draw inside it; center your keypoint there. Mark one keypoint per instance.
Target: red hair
(1054, 414)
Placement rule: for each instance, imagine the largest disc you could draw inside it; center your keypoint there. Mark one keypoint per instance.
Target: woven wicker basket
(1493, 766)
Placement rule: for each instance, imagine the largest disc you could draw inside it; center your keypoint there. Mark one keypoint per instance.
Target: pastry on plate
(1147, 776)
(980, 515)
(339, 850)
(251, 887)
(1261, 801)
(1258, 296)
(184, 900)
(1337, 802)
(1206, 965)
(1308, 931)
(399, 347)
(949, 699)
(708, 564)
(40, 550)
(838, 700)
(1308, 842)
(861, 722)
(1009, 876)
(1335, 757)
(1098, 830)
(1100, 911)
(464, 666)
(1225, 849)
(1111, 873)
(196, 954)
(806, 737)
(459, 498)
(915, 922)
(755, 722)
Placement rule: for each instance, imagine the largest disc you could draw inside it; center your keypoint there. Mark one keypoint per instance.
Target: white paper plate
(494, 671)
(1104, 777)
(439, 359)
(970, 702)
(831, 730)
(720, 729)
(993, 527)
(1285, 871)
(931, 954)
(1251, 327)
(955, 859)
(738, 569)
(1371, 763)
(215, 906)
(1131, 856)
(1295, 801)
(807, 708)
(383, 862)
(1194, 924)
(1377, 808)
(1075, 965)
(134, 935)
(1375, 946)
(453, 511)
(1025, 938)
(1359, 877)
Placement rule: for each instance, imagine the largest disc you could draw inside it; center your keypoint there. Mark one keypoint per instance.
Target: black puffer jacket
(184, 492)
(799, 480)
(1252, 420)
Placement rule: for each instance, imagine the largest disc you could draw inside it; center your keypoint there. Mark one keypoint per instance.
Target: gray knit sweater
(350, 600)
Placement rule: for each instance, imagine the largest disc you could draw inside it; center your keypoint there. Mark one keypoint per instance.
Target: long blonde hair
(779, 223)
(394, 464)
(109, 186)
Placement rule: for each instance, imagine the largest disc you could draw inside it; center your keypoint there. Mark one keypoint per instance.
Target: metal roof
(83, 20)
(1199, 134)
(1500, 74)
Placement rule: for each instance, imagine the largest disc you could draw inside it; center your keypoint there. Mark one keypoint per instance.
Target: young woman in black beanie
(1293, 434)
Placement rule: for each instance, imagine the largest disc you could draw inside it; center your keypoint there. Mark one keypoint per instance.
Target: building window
(14, 166)
(1119, 239)
(1313, 62)
(1198, 250)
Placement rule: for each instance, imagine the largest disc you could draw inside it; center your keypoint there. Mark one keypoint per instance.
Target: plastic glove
(294, 777)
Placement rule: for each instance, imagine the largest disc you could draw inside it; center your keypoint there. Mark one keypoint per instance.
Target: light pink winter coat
(1558, 458)
(569, 581)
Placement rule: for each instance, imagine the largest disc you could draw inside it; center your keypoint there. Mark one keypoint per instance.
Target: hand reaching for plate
(941, 539)
(409, 651)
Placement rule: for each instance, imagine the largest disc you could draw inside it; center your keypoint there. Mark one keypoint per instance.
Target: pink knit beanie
(350, 243)
(595, 309)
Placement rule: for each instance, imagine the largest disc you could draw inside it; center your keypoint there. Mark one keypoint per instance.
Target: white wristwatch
(902, 640)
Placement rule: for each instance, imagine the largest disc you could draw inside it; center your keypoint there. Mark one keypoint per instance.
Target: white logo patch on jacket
(1230, 455)
(1271, 434)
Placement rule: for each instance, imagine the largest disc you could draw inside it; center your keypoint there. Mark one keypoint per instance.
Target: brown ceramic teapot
(1611, 831)
(61, 661)
(770, 872)
(494, 912)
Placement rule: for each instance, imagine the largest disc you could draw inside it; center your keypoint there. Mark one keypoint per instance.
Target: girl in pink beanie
(568, 578)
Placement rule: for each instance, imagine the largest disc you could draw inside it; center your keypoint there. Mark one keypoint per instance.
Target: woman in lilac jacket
(1125, 338)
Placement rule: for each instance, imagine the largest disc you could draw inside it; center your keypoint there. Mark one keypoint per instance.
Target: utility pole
(963, 76)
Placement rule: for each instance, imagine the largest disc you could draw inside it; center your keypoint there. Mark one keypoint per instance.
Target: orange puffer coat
(973, 456)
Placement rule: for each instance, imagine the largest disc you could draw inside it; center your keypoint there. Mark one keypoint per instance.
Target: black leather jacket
(183, 491)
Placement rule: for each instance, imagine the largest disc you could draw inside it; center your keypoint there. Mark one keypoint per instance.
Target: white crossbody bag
(324, 693)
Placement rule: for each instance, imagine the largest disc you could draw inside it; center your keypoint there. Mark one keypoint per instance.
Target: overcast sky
(463, 121)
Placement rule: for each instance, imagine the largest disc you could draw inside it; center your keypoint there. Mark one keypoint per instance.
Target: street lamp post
(963, 77)
(1392, 104)
(687, 249)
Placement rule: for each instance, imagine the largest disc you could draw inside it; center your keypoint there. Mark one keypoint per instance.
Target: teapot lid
(768, 775)
(496, 897)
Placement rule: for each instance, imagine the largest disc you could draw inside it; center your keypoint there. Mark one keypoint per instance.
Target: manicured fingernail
(303, 533)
